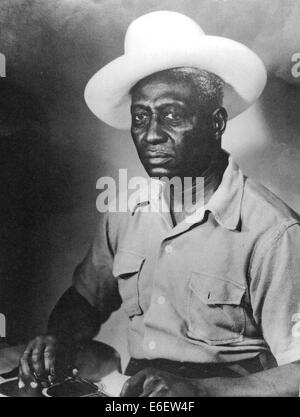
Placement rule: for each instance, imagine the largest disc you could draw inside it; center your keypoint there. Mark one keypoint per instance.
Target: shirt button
(161, 300)
(168, 249)
(152, 345)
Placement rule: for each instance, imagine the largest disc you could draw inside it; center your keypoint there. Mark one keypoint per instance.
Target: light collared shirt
(221, 286)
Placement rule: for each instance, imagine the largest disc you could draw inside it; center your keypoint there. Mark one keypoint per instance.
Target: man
(211, 290)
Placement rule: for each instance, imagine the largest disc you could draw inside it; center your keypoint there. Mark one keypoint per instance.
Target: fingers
(49, 356)
(37, 359)
(133, 387)
(159, 391)
(25, 373)
(37, 356)
(151, 384)
(21, 384)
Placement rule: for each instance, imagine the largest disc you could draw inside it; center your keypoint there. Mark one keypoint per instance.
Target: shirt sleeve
(275, 293)
(93, 277)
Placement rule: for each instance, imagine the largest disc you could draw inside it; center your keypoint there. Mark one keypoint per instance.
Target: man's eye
(172, 117)
(140, 118)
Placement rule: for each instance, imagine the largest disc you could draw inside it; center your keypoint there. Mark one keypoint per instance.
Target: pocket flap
(214, 290)
(126, 263)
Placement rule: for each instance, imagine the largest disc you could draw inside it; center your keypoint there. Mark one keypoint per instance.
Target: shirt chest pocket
(214, 311)
(126, 268)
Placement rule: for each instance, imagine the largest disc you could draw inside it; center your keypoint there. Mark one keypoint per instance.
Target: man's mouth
(158, 157)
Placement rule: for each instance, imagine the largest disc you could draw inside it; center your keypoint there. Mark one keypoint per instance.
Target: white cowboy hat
(162, 40)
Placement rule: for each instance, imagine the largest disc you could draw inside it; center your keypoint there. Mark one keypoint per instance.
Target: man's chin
(158, 172)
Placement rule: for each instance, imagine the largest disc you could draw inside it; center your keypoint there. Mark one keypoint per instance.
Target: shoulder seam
(285, 212)
(268, 243)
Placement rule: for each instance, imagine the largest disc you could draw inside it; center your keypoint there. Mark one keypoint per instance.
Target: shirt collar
(225, 203)
(148, 194)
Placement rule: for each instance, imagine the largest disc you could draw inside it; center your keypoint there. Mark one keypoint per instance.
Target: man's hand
(155, 383)
(38, 360)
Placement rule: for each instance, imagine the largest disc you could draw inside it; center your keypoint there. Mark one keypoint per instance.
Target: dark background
(53, 150)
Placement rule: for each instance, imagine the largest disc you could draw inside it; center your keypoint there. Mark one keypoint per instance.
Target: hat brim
(107, 92)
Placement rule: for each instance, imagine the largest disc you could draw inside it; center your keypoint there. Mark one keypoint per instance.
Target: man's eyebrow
(167, 102)
(140, 105)
(162, 102)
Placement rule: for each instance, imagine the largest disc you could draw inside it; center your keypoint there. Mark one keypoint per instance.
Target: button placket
(157, 298)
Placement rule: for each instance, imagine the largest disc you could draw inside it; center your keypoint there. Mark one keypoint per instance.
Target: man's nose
(154, 133)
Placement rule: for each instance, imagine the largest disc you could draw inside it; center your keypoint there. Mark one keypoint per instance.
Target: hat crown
(161, 30)
(161, 40)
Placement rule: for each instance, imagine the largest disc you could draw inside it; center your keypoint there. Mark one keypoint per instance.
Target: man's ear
(219, 121)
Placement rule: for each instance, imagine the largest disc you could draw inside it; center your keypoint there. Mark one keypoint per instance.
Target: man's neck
(200, 189)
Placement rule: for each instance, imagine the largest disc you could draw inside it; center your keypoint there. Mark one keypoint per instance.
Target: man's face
(171, 132)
